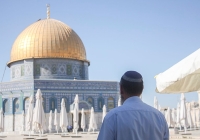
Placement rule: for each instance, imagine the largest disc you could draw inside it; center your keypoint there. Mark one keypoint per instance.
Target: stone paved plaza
(195, 134)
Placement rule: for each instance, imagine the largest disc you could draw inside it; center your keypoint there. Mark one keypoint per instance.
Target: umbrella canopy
(1, 120)
(56, 120)
(63, 116)
(50, 121)
(29, 115)
(155, 103)
(75, 112)
(39, 116)
(119, 101)
(104, 112)
(92, 124)
(182, 77)
(169, 118)
(82, 119)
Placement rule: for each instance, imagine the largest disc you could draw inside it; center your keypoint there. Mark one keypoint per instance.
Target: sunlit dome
(48, 38)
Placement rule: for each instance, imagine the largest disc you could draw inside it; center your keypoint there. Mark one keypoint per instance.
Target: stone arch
(26, 104)
(6, 106)
(16, 105)
(90, 100)
(111, 103)
(100, 103)
(52, 104)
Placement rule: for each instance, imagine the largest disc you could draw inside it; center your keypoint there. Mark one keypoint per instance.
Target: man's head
(131, 84)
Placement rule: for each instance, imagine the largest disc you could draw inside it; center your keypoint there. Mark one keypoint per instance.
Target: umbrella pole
(40, 133)
(76, 132)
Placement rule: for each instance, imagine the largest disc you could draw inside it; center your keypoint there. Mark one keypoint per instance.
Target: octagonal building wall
(50, 68)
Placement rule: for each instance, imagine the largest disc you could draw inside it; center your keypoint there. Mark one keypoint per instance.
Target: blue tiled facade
(57, 78)
(14, 94)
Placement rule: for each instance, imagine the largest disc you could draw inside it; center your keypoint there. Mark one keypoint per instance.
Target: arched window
(16, 105)
(100, 103)
(6, 107)
(90, 100)
(52, 104)
(26, 104)
(111, 103)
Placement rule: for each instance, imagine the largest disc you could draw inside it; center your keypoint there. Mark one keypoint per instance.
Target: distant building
(50, 56)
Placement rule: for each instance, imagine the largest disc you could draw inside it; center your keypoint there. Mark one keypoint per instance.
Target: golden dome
(48, 38)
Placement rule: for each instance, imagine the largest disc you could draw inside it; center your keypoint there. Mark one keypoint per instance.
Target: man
(134, 120)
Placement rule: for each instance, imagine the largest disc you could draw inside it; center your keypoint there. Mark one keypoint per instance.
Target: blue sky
(148, 36)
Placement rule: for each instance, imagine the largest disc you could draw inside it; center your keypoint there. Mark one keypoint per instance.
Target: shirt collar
(132, 99)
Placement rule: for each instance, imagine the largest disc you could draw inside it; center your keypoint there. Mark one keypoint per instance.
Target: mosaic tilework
(13, 72)
(46, 70)
(69, 69)
(82, 97)
(17, 72)
(54, 69)
(16, 86)
(62, 69)
(37, 69)
(76, 85)
(22, 70)
(28, 69)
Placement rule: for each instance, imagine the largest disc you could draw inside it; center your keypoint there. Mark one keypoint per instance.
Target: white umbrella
(104, 112)
(189, 117)
(197, 116)
(82, 119)
(56, 120)
(182, 77)
(92, 124)
(173, 115)
(119, 101)
(169, 118)
(50, 121)
(194, 115)
(63, 116)
(155, 103)
(178, 115)
(39, 116)
(159, 108)
(1, 120)
(183, 112)
(29, 115)
(75, 113)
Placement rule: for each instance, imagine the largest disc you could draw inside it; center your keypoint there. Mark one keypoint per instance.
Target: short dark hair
(132, 88)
